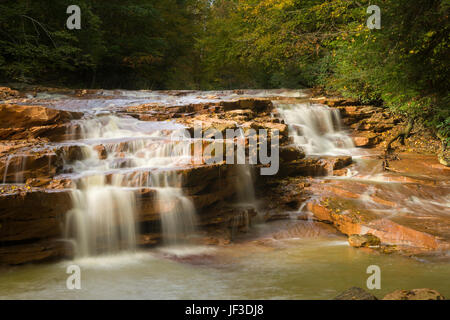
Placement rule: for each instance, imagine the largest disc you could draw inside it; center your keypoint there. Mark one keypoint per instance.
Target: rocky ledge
(36, 194)
(32, 214)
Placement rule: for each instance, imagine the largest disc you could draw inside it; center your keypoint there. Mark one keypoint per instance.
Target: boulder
(365, 240)
(332, 163)
(291, 153)
(8, 93)
(303, 167)
(101, 151)
(414, 294)
(18, 116)
(367, 140)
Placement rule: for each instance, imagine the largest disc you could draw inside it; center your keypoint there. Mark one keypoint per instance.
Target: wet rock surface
(366, 240)
(414, 294)
(37, 143)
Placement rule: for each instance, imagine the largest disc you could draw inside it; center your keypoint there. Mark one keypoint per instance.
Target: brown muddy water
(315, 265)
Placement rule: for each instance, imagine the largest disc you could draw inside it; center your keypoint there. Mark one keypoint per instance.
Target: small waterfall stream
(103, 219)
(316, 128)
(180, 217)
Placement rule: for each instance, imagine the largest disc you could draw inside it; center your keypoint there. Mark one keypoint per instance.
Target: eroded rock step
(42, 165)
(406, 213)
(207, 195)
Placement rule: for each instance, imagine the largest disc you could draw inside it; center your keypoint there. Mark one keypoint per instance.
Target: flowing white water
(244, 185)
(316, 128)
(180, 217)
(104, 215)
(18, 170)
(6, 168)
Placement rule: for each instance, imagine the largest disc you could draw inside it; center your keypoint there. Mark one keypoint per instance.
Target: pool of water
(317, 267)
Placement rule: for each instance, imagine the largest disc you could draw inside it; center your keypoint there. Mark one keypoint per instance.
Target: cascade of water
(20, 167)
(245, 187)
(178, 214)
(19, 173)
(316, 128)
(104, 215)
(6, 168)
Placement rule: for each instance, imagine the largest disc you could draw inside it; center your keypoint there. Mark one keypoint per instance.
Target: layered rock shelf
(41, 144)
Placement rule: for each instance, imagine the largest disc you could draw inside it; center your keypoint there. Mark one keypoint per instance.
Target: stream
(285, 259)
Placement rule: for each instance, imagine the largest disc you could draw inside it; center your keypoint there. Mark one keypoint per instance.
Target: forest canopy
(230, 44)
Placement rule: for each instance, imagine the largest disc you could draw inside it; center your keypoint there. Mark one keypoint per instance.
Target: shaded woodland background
(231, 44)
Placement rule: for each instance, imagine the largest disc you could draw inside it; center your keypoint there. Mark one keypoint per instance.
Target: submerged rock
(355, 293)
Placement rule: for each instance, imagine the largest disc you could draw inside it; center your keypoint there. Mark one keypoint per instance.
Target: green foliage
(405, 64)
(293, 43)
(30, 48)
(128, 44)
(203, 44)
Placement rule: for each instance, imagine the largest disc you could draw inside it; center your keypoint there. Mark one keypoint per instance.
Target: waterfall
(19, 170)
(316, 128)
(5, 173)
(179, 222)
(244, 183)
(102, 218)
(119, 157)
(178, 214)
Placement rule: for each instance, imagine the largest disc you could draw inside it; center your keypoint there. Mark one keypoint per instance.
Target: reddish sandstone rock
(366, 140)
(70, 153)
(291, 153)
(157, 111)
(332, 163)
(365, 240)
(346, 223)
(303, 167)
(18, 116)
(8, 93)
(34, 252)
(101, 151)
(31, 122)
(414, 294)
(33, 214)
(399, 232)
(19, 167)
